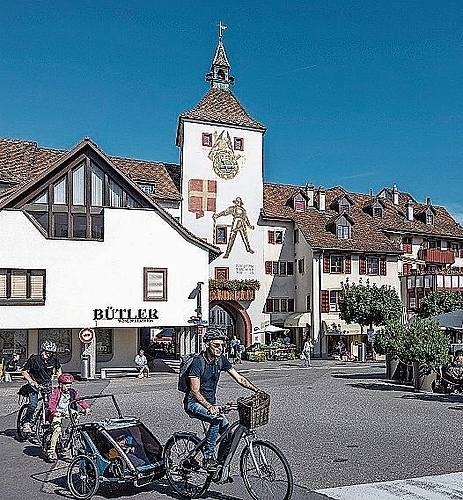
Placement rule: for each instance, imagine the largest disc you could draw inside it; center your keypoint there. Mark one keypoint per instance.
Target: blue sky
(362, 94)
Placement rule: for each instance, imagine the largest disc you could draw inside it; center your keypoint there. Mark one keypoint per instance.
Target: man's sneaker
(51, 455)
(27, 429)
(210, 464)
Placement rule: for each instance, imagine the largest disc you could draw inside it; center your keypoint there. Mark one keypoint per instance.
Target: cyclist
(200, 398)
(38, 371)
(60, 405)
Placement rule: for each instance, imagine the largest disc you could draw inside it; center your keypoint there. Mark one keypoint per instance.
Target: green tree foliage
(440, 302)
(368, 305)
(391, 339)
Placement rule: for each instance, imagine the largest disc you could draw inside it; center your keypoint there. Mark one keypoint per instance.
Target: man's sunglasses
(216, 345)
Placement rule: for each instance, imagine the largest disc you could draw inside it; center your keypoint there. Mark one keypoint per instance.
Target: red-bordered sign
(86, 335)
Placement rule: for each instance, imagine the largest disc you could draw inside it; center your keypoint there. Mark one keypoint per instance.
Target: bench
(8, 376)
(127, 370)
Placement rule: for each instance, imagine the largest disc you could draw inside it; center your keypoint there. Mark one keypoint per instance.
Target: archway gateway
(236, 310)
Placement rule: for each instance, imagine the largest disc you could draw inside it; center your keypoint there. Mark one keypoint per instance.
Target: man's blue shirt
(208, 373)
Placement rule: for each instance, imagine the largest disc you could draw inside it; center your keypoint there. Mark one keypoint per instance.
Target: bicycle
(263, 467)
(69, 439)
(38, 423)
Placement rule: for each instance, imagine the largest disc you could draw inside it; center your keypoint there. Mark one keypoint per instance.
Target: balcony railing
(436, 256)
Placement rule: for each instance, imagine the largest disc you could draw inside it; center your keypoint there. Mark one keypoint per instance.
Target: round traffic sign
(86, 335)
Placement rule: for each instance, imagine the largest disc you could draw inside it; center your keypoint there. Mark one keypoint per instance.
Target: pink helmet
(65, 378)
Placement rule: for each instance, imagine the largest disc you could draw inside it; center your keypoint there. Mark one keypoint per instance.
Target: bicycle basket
(254, 410)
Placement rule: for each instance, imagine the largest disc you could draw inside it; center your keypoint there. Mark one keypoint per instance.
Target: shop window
(154, 284)
(62, 338)
(238, 143)
(22, 286)
(104, 344)
(13, 342)
(207, 140)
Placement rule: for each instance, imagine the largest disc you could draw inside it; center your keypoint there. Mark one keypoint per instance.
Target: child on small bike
(61, 405)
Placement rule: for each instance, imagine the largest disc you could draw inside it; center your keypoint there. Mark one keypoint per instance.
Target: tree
(369, 305)
(440, 302)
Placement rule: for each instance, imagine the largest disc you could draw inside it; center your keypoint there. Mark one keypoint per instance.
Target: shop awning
(300, 319)
(341, 328)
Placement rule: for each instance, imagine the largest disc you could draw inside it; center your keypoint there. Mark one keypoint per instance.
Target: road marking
(443, 487)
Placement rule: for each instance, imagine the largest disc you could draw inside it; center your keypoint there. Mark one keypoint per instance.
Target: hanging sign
(86, 335)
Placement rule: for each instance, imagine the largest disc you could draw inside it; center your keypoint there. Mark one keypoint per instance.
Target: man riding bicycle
(38, 371)
(200, 398)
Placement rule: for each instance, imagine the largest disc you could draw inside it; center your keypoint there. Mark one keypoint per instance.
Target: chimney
(428, 201)
(409, 210)
(321, 198)
(309, 191)
(395, 195)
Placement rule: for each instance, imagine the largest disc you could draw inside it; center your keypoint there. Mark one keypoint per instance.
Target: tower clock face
(223, 158)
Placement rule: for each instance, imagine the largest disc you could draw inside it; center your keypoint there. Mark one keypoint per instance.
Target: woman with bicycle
(200, 398)
(38, 371)
(59, 406)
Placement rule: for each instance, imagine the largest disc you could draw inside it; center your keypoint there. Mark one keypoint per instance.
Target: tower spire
(219, 76)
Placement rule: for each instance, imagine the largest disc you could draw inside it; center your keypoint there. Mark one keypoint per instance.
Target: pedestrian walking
(306, 351)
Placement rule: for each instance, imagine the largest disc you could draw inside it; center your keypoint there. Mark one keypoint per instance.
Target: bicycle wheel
(22, 436)
(40, 425)
(83, 479)
(184, 472)
(266, 472)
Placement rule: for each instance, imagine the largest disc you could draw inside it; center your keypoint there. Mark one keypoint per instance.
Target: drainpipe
(320, 268)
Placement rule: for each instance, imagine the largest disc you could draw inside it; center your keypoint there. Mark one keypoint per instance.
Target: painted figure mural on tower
(224, 159)
(240, 224)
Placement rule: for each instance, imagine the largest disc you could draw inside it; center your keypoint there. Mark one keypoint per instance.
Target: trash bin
(362, 352)
(85, 367)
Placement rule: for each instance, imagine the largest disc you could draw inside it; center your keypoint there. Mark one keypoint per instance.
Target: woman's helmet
(49, 346)
(215, 334)
(65, 378)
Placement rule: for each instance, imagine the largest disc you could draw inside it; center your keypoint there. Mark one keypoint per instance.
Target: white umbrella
(271, 329)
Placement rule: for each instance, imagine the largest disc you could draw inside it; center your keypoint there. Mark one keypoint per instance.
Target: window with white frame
(334, 300)
(343, 231)
(154, 283)
(336, 264)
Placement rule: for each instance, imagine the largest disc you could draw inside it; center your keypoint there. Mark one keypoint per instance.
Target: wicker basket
(254, 410)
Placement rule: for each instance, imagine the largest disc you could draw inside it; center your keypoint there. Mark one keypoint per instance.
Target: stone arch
(239, 310)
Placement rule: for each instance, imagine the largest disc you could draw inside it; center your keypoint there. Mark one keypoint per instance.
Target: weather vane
(222, 28)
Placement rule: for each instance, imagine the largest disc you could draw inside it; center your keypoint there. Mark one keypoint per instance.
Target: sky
(361, 94)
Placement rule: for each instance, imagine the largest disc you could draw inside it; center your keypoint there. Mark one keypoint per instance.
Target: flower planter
(423, 380)
(392, 367)
(232, 295)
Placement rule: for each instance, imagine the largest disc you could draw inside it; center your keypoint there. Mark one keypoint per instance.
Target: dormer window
(343, 231)
(148, 188)
(299, 203)
(429, 218)
(344, 206)
(377, 211)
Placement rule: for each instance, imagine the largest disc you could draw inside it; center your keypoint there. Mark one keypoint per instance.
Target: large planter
(392, 367)
(423, 380)
(232, 295)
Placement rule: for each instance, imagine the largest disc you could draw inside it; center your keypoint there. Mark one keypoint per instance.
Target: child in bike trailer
(38, 371)
(61, 405)
(200, 398)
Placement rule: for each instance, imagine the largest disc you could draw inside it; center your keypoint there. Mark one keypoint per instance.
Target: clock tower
(222, 186)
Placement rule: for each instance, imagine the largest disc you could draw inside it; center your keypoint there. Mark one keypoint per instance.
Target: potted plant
(428, 349)
(392, 341)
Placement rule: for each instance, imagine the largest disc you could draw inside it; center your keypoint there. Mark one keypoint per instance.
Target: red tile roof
(368, 233)
(221, 106)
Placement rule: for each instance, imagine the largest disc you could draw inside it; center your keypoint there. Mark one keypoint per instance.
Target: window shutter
(37, 283)
(18, 284)
(3, 285)
(362, 265)
(290, 305)
(326, 264)
(347, 264)
(269, 306)
(406, 269)
(325, 301)
(271, 237)
(268, 267)
(290, 268)
(382, 266)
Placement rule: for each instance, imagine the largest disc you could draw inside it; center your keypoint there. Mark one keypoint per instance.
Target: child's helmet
(65, 378)
(49, 346)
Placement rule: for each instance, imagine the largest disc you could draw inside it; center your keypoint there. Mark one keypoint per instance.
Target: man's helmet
(65, 378)
(214, 334)
(49, 346)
